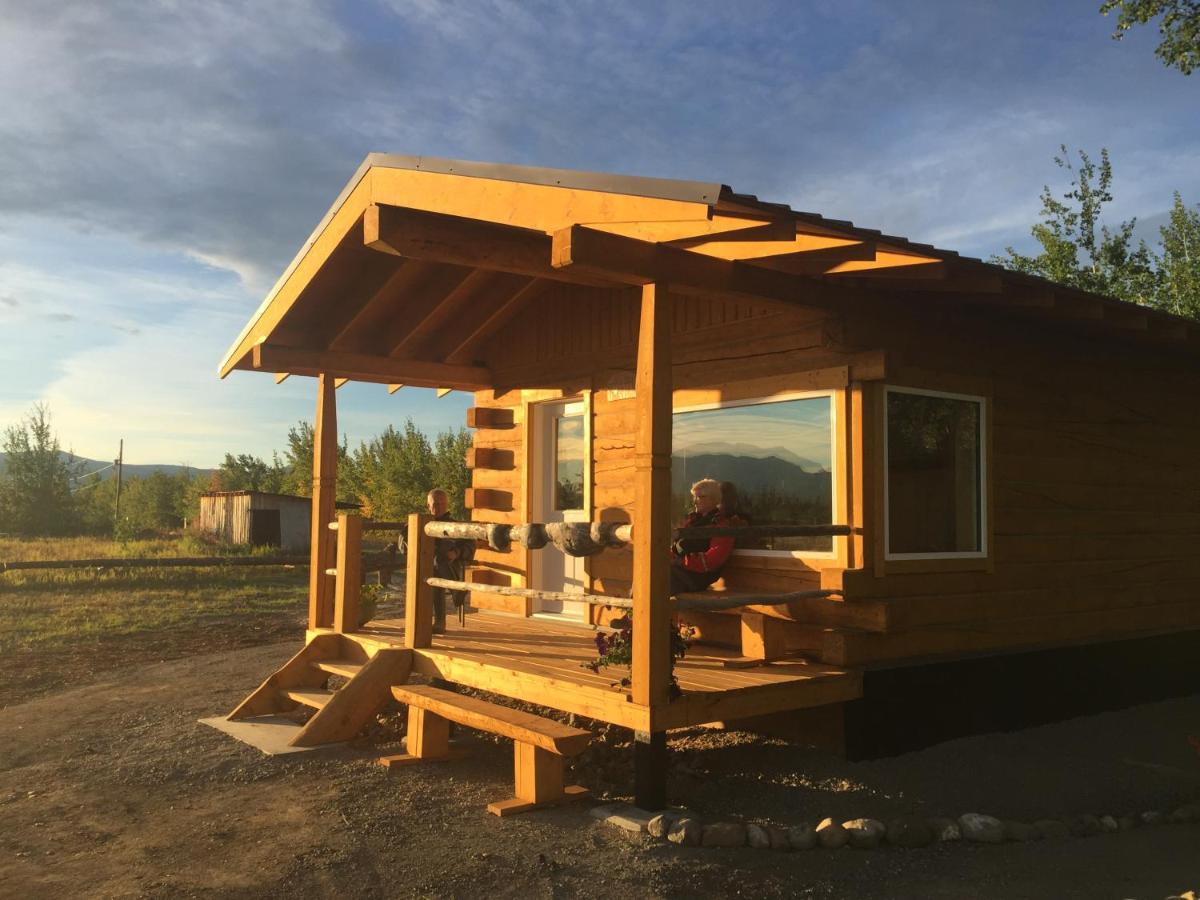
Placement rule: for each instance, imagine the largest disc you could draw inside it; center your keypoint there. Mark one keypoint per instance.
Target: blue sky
(161, 162)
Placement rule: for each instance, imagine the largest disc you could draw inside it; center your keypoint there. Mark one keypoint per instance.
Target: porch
(542, 662)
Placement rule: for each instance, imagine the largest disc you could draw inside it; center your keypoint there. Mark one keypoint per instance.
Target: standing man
(450, 558)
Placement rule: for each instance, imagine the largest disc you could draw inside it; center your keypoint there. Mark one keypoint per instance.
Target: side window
(778, 454)
(935, 474)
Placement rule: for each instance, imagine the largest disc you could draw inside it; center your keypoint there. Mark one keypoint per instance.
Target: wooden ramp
(542, 662)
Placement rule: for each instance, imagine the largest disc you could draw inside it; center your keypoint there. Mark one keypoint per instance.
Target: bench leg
(538, 779)
(428, 739)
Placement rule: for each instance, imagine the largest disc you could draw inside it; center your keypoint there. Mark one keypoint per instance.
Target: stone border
(683, 828)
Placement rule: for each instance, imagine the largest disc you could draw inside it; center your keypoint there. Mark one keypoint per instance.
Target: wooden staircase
(303, 681)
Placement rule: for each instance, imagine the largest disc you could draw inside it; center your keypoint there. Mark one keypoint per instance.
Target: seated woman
(697, 562)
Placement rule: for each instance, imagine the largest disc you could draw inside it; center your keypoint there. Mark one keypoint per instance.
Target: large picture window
(935, 475)
(778, 454)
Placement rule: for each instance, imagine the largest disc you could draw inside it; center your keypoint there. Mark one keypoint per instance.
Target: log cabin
(998, 473)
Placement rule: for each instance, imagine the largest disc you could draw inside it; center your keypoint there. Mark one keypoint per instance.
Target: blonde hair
(708, 487)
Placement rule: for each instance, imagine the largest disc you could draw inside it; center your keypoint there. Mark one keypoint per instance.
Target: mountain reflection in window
(568, 462)
(779, 456)
(934, 488)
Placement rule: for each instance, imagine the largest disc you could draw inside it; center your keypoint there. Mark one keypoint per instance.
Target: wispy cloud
(163, 161)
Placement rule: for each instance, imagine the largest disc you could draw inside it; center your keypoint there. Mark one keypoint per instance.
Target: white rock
(758, 837)
(865, 833)
(980, 828)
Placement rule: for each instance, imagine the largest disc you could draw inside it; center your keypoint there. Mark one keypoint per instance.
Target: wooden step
(526, 728)
(344, 667)
(315, 698)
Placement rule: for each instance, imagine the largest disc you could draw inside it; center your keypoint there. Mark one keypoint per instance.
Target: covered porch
(500, 279)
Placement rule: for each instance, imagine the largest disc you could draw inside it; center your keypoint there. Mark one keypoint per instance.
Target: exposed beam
(816, 262)
(477, 282)
(338, 382)
(436, 237)
(392, 388)
(281, 377)
(837, 249)
(588, 251)
(500, 315)
(685, 231)
(889, 264)
(336, 294)
(362, 319)
(405, 312)
(442, 392)
(360, 367)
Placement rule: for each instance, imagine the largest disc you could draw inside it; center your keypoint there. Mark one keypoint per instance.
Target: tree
(244, 472)
(35, 488)
(1179, 28)
(1180, 261)
(1079, 251)
(449, 471)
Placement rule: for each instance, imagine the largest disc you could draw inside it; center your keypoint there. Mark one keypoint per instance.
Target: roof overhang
(420, 261)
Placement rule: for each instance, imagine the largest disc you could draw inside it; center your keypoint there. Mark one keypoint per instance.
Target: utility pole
(118, 462)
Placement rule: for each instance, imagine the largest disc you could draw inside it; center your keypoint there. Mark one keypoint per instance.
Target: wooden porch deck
(541, 661)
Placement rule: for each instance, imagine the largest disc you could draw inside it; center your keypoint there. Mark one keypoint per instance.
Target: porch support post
(418, 595)
(652, 502)
(651, 667)
(323, 545)
(650, 770)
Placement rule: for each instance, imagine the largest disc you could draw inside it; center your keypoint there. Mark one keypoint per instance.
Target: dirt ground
(114, 790)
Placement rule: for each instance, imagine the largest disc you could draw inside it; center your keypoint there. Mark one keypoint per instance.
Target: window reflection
(779, 455)
(568, 462)
(933, 474)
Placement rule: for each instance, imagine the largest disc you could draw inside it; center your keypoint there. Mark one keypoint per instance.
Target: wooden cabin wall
(588, 344)
(1094, 486)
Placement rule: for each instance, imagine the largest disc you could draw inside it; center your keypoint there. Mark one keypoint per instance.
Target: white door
(556, 495)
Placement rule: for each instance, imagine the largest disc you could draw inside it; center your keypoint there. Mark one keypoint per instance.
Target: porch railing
(579, 539)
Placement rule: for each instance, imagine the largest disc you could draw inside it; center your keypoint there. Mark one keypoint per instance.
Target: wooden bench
(539, 744)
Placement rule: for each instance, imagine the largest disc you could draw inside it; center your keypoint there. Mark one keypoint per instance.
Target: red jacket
(714, 557)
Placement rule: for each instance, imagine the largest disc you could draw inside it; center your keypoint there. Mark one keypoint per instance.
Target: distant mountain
(754, 451)
(751, 474)
(130, 470)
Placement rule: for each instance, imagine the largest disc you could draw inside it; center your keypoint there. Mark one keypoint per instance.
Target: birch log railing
(576, 539)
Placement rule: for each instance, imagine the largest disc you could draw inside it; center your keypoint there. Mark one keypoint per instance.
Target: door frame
(535, 411)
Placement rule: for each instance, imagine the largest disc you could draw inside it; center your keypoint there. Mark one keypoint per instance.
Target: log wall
(1094, 483)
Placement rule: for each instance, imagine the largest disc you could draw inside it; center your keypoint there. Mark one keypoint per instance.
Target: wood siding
(1094, 490)
(228, 517)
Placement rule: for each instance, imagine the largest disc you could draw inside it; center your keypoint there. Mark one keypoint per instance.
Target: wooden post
(346, 608)
(324, 494)
(651, 669)
(650, 770)
(418, 596)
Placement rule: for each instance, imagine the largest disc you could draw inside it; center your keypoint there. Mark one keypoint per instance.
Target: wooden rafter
(499, 315)
(336, 294)
(467, 290)
(360, 367)
(603, 255)
(408, 311)
(683, 232)
(436, 237)
(363, 318)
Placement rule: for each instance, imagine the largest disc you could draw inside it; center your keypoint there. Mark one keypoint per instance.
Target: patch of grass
(68, 625)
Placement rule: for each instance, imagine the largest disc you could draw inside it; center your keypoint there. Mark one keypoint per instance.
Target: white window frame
(984, 550)
(835, 468)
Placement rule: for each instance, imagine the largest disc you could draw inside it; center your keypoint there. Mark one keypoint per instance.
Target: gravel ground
(113, 790)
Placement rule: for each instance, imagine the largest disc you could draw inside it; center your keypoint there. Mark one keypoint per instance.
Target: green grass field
(62, 626)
